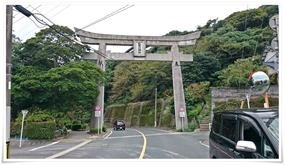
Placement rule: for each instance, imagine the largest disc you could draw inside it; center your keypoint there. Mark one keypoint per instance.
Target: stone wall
(222, 94)
(141, 114)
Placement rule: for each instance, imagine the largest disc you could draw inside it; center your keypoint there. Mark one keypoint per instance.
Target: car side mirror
(245, 146)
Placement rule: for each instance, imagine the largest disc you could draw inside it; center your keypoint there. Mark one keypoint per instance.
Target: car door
(229, 134)
(223, 137)
(250, 131)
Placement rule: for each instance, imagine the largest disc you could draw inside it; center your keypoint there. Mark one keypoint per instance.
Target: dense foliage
(50, 76)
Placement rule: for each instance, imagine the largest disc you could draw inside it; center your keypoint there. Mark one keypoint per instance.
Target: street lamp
(24, 112)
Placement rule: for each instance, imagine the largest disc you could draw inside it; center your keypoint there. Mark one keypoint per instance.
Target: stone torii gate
(139, 44)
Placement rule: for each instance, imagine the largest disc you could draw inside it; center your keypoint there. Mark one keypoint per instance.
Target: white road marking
(203, 144)
(69, 150)
(108, 135)
(43, 146)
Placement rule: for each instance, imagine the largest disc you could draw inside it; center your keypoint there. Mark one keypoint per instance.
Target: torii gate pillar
(101, 63)
(178, 91)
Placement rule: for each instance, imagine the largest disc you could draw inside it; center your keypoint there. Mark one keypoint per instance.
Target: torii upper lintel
(128, 40)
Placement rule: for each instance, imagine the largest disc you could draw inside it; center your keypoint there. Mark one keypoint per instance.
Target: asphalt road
(141, 143)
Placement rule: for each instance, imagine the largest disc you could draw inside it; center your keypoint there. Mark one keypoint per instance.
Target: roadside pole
(98, 115)
(24, 113)
(182, 126)
(248, 100)
(266, 104)
(182, 115)
(9, 17)
(98, 126)
(155, 108)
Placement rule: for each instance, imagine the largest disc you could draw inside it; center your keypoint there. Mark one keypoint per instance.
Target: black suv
(250, 133)
(119, 125)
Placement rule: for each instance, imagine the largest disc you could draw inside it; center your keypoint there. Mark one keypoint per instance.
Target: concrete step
(204, 127)
(206, 120)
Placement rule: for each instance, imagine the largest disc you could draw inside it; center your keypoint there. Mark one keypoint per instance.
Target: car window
(273, 126)
(228, 128)
(267, 152)
(120, 122)
(217, 120)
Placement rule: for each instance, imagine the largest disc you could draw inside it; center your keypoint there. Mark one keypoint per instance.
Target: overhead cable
(107, 16)
(42, 14)
(28, 14)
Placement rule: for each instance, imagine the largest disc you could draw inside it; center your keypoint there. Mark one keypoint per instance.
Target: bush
(192, 127)
(68, 126)
(84, 126)
(93, 131)
(35, 130)
(40, 130)
(104, 129)
(76, 127)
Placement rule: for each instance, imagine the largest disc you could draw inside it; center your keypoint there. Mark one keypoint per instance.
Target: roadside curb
(102, 135)
(26, 143)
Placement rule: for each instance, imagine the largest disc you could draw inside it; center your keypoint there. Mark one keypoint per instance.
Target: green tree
(62, 88)
(247, 19)
(51, 47)
(27, 89)
(136, 81)
(36, 84)
(16, 48)
(202, 68)
(75, 84)
(195, 99)
(196, 94)
(237, 74)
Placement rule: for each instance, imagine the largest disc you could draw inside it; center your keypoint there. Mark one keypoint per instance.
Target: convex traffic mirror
(259, 82)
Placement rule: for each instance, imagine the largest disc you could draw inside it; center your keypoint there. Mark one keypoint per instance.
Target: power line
(19, 12)
(45, 17)
(60, 11)
(31, 24)
(107, 16)
(28, 14)
(24, 16)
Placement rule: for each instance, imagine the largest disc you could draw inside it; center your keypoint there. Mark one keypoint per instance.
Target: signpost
(98, 114)
(24, 113)
(182, 115)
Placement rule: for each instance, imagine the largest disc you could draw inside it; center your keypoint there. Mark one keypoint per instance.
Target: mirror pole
(266, 104)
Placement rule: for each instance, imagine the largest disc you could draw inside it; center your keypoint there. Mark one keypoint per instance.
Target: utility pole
(9, 16)
(155, 108)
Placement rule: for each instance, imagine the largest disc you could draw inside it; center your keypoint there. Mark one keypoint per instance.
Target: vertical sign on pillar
(139, 48)
(182, 115)
(98, 115)
(182, 112)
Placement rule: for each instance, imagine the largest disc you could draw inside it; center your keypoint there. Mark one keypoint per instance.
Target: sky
(147, 18)
(152, 18)
(138, 19)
